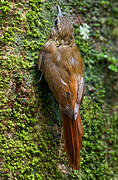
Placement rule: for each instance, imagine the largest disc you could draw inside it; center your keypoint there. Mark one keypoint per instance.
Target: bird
(62, 66)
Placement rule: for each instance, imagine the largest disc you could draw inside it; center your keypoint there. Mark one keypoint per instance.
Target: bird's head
(62, 31)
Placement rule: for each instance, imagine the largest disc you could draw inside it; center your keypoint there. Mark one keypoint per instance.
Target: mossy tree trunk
(31, 145)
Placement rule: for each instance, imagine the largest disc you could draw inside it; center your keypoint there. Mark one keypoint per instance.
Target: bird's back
(62, 67)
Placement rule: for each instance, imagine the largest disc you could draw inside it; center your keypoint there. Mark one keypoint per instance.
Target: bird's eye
(56, 22)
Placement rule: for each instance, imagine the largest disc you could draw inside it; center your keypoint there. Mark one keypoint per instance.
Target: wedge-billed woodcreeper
(62, 66)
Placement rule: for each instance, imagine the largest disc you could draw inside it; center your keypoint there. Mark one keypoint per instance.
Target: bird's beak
(59, 11)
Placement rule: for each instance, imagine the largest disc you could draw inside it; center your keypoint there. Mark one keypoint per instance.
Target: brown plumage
(62, 66)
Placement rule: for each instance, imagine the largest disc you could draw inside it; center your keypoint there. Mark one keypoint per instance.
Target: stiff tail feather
(73, 133)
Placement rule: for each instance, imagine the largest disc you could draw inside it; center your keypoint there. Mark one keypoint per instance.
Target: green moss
(30, 120)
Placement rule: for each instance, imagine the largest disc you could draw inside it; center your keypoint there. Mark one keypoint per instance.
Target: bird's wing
(78, 67)
(58, 81)
(80, 90)
(61, 81)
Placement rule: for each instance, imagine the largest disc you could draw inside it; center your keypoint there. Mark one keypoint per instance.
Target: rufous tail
(73, 132)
